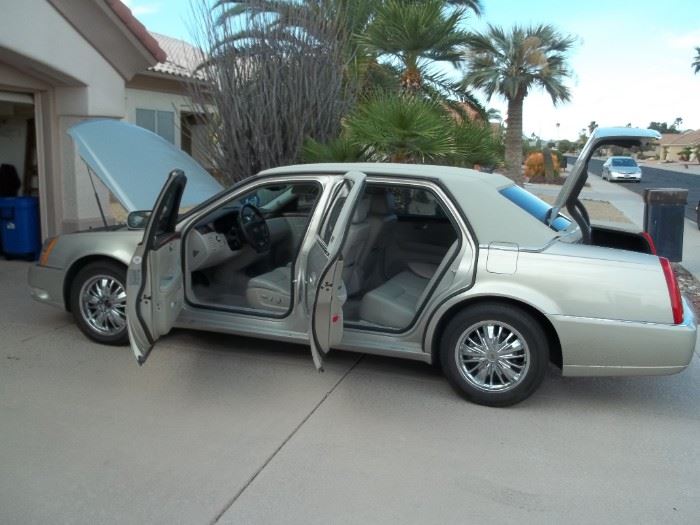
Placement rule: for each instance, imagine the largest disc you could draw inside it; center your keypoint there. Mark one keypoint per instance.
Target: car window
(626, 163)
(416, 202)
(534, 206)
(332, 216)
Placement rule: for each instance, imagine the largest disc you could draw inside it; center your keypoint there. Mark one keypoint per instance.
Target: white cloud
(689, 40)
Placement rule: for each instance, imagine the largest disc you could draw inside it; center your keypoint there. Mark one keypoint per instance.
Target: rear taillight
(650, 240)
(673, 291)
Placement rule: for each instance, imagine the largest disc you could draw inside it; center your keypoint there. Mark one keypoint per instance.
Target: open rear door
(325, 290)
(154, 290)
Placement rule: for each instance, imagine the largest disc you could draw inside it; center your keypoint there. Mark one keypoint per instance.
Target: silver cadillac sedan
(432, 263)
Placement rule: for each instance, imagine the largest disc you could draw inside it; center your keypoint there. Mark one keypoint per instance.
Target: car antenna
(97, 198)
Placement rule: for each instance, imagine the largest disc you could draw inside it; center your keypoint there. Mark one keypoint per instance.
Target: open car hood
(134, 163)
(623, 137)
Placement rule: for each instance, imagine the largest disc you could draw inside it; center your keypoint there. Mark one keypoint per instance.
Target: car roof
(492, 216)
(442, 173)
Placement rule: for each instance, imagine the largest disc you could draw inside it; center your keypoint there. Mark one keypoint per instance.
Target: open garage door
(19, 176)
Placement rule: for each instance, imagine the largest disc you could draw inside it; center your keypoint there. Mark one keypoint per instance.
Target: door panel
(155, 292)
(325, 290)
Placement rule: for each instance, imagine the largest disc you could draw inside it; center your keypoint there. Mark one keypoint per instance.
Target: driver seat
(271, 291)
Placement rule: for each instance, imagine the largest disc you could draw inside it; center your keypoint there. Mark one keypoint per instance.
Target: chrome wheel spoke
(103, 304)
(492, 356)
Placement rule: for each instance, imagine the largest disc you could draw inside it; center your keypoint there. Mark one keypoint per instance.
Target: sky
(631, 63)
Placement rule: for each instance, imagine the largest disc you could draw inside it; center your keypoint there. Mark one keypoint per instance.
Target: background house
(64, 61)
(672, 144)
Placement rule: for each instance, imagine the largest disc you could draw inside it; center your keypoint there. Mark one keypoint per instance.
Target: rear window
(534, 206)
(626, 163)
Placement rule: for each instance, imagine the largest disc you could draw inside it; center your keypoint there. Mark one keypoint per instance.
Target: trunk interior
(620, 239)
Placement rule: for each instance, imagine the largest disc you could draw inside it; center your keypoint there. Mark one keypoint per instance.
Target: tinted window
(333, 215)
(625, 162)
(534, 206)
(415, 202)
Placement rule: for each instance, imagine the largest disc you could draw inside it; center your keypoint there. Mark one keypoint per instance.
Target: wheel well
(555, 355)
(79, 265)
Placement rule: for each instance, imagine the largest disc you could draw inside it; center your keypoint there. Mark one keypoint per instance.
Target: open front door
(325, 290)
(154, 289)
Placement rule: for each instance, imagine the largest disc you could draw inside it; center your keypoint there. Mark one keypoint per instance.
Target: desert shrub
(534, 165)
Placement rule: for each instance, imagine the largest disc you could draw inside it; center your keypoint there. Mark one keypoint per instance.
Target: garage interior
(19, 173)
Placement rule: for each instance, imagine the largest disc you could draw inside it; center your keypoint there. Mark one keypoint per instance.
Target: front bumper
(625, 176)
(46, 285)
(603, 347)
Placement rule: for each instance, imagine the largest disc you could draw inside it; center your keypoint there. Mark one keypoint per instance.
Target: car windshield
(535, 207)
(625, 162)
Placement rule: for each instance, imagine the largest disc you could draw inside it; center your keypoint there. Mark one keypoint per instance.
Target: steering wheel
(254, 228)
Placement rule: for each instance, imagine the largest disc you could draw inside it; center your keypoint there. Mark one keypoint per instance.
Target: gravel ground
(690, 287)
(598, 210)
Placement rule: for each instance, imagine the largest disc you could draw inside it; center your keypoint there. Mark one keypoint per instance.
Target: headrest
(361, 211)
(382, 203)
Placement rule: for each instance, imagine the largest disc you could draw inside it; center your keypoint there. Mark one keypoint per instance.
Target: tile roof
(137, 28)
(182, 58)
(687, 138)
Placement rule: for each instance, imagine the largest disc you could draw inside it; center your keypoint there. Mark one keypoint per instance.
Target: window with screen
(159, 122)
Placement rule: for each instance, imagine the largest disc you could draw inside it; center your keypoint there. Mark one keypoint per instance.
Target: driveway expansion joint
(286, 440)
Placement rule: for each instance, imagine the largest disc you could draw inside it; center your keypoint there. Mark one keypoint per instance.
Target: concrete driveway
(232, 430)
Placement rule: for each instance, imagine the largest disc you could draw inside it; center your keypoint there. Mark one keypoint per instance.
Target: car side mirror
(137, 220)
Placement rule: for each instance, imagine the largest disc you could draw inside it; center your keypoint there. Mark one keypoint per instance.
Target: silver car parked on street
(621, 168)
(432, 263)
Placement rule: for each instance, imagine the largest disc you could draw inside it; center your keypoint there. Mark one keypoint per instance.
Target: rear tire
(98, 302)
(494, 354)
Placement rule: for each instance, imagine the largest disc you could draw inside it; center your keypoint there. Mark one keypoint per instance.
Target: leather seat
(381, 221)
(394, 303)
(272, 290)
(355, 246)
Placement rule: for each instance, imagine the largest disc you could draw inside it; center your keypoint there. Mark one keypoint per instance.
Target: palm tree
(696, 61)
(510, 64)
(415, 32)
(402, 128)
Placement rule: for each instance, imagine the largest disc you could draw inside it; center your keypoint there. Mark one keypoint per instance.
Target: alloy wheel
(103, 304)
(492, 356)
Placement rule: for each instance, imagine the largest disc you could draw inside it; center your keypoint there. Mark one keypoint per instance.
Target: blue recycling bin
(19, 227)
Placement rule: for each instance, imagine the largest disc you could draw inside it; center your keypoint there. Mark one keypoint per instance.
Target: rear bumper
(46, 285)
(602, 347)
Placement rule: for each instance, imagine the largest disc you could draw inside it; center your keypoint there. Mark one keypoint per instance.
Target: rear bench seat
(394, 303)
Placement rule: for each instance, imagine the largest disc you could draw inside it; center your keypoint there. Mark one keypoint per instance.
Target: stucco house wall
(74, 57)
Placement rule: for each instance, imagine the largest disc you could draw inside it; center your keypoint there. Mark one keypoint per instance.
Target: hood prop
(97, 197)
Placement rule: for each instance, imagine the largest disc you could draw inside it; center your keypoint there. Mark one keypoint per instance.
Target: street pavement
(661, 177)
(223, 429)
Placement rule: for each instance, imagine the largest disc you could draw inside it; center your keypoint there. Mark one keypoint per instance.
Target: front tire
(494, 354)
(98, 302)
